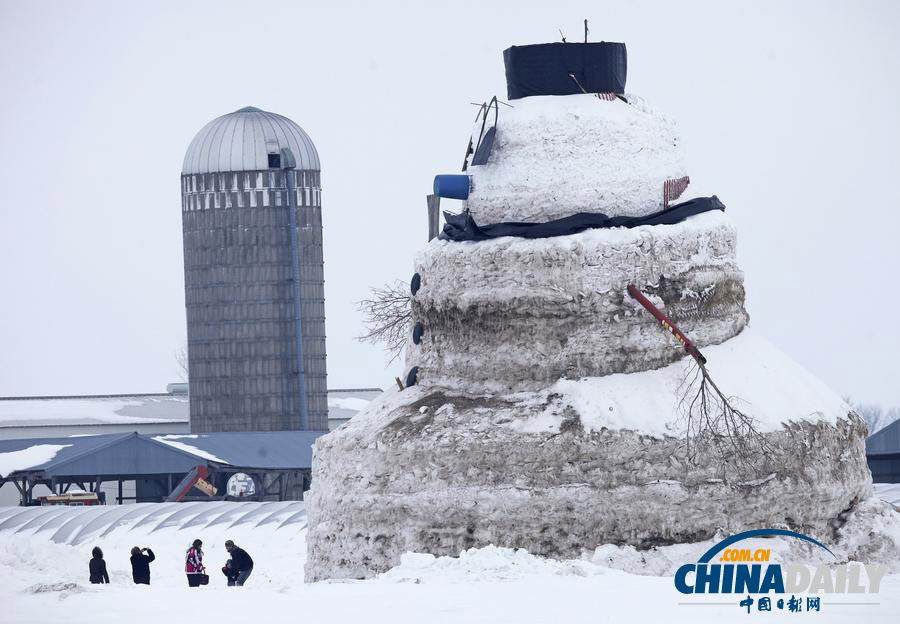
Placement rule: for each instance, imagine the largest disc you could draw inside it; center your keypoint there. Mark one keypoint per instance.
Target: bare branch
(387, 317)
(181, 357)
(716, 428)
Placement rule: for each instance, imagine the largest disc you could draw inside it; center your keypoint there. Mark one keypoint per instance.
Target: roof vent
(177, 388)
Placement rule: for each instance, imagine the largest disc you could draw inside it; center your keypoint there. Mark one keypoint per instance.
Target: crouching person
(241, 565)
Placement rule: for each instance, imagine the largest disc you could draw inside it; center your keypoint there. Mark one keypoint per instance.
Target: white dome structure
(243, 141)
(77, 525)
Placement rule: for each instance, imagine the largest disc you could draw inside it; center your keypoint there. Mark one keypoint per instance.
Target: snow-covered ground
(46, 580)
(889, 492)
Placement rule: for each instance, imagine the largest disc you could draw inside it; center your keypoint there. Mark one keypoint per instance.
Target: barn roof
(886, 441)
(140, 409)
(278, 450)
(110, 409)
(138, 454)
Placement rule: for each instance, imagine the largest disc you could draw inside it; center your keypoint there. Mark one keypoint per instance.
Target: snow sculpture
(546, 411)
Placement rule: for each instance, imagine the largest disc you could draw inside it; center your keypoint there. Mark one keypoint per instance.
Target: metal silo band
(289, 184)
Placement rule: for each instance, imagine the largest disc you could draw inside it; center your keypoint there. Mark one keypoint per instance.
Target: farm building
(41, 419)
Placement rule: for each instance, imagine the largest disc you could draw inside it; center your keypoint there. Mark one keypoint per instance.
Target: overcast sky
(789, 112)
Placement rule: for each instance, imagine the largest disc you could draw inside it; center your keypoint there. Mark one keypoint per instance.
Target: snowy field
(44, 555)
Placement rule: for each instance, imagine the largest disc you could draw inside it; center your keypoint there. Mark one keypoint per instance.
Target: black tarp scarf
(462, 227)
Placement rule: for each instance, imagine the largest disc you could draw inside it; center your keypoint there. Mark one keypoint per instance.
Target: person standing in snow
(97, 567)
(193, 565)
(241, 565)
(140, 565)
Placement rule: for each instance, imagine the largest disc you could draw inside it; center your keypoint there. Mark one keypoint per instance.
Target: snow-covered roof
(135, 454)
(125, 409)
(114, 453)
(139, 409)
(270, 450)
(885, 441)
(243, 140)
(344, 404)
(24, 458)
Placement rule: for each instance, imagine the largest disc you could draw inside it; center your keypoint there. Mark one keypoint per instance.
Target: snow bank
(47, 582)
(555, 156)
(486, 564)
(765, 383)
(29, 457)
(869, 524)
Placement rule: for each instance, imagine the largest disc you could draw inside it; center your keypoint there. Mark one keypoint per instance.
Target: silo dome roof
(242, 141)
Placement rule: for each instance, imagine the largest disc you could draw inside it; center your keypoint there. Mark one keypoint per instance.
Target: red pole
(667, 324)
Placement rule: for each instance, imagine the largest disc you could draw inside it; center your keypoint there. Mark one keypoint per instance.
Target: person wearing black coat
(140, 565)
(241, 565)
(97, 567)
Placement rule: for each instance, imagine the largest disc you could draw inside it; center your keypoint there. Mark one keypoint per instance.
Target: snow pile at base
(765, 383)
(870, 534)
(26, 458)
(872, 523)
(556, 156)
(485, 563)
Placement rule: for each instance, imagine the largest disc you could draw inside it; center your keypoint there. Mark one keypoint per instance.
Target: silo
(254, 276)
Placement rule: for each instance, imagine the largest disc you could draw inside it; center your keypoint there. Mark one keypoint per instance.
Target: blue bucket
(451, 186)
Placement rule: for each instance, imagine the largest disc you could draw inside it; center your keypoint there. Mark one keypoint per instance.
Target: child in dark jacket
(97, 567)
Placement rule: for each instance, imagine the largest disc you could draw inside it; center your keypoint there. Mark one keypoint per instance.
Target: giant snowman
(545, 408)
